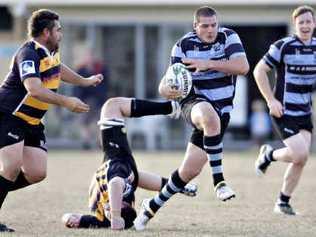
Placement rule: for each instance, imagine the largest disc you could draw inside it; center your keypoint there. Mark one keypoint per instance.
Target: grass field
(37, 210)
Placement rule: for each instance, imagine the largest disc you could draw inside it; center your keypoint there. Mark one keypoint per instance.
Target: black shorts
(197, 135)
(288, 126)
(14, 130)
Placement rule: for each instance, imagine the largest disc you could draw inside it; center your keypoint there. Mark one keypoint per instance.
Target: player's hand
(76, 105)
(169, 93)
(93, 80)
(197, 64)
(275, 108)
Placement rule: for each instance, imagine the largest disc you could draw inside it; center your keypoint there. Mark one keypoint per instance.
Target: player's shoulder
(190, 36)
(226, 31)
(27, 49)
(283, 42)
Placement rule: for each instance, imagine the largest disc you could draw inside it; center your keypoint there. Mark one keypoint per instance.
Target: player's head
(304, 22)
(45, 23)
(206, 24)
(128, 213)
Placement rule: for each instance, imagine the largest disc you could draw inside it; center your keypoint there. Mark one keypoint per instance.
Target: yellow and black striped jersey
(98, 193)
(31, 60)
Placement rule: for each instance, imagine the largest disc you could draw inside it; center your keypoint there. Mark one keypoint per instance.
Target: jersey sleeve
(233, 46)
(273, 57)
(28, 64)
(176, 54)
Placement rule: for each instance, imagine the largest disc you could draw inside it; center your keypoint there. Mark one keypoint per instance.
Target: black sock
(89, 221)
(284, 198)
(269, 156)
(20, 182)
(5, 186)
(141, 108)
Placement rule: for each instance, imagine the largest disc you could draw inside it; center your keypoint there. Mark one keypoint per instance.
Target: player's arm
(70, 76)
(34, 87)
(116, 187)
(260, 74)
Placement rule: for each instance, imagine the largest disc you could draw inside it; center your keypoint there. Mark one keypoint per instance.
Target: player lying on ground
(113, 186)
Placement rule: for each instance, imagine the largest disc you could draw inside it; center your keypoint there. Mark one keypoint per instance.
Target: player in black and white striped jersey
(215, 56)
(294, 60)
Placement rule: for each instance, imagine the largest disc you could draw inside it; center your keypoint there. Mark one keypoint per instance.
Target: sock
(269, 156)
(283, 198)
(213, 146)
(5, 186)
(164, 181)
(20, 182)
(141, 108)
(89, 221)
(174, 185)
(113, 138)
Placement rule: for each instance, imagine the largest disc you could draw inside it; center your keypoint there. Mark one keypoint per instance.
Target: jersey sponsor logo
(16, 137)
(288, 130)
(43, 144)
(27, 67)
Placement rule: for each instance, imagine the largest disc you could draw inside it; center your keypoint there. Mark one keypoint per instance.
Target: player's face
(304, 26)
(206, 28)
(55, 36)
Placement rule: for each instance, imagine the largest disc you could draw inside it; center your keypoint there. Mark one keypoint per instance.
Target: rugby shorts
(14, 130)
(287, 126)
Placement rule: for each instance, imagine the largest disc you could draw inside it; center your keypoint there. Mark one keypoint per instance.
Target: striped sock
(213, 146)
(174, 185)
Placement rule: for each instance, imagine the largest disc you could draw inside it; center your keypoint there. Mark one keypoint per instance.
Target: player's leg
(120, 107)
(154, 182)
(11, 156)
(10, 163)
(179, 178)
(34, 165)
(206, 119)
(299, 144)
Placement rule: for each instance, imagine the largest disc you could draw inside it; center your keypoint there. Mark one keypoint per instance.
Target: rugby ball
(179, 78)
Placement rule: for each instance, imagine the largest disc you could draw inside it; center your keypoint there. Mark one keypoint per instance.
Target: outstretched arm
(35, 89)
(70, 76)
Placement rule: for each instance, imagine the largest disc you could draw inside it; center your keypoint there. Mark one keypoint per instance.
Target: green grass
(37, 210)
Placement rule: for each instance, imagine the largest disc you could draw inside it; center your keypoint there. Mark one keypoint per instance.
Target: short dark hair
(302, 10)
(40, 20)
(129, 214)
(204, 11)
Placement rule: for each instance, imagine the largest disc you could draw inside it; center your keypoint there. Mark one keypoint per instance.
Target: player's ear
(46, 32)
(194, 25)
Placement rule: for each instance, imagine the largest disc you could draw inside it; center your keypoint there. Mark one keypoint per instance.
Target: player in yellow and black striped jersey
(111, 195)
(25, 96)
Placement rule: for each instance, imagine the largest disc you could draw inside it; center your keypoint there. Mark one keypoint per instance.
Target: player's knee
(11, 167)
(36, 176)
(210, 124)
(300, 157)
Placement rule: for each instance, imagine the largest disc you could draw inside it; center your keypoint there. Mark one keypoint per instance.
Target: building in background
(135, 38)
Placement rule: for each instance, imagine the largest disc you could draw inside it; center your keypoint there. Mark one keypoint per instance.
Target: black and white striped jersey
(295, 65)
(217, 87)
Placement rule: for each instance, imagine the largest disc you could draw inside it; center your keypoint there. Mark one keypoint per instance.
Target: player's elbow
(34, 91)
(244, 69)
